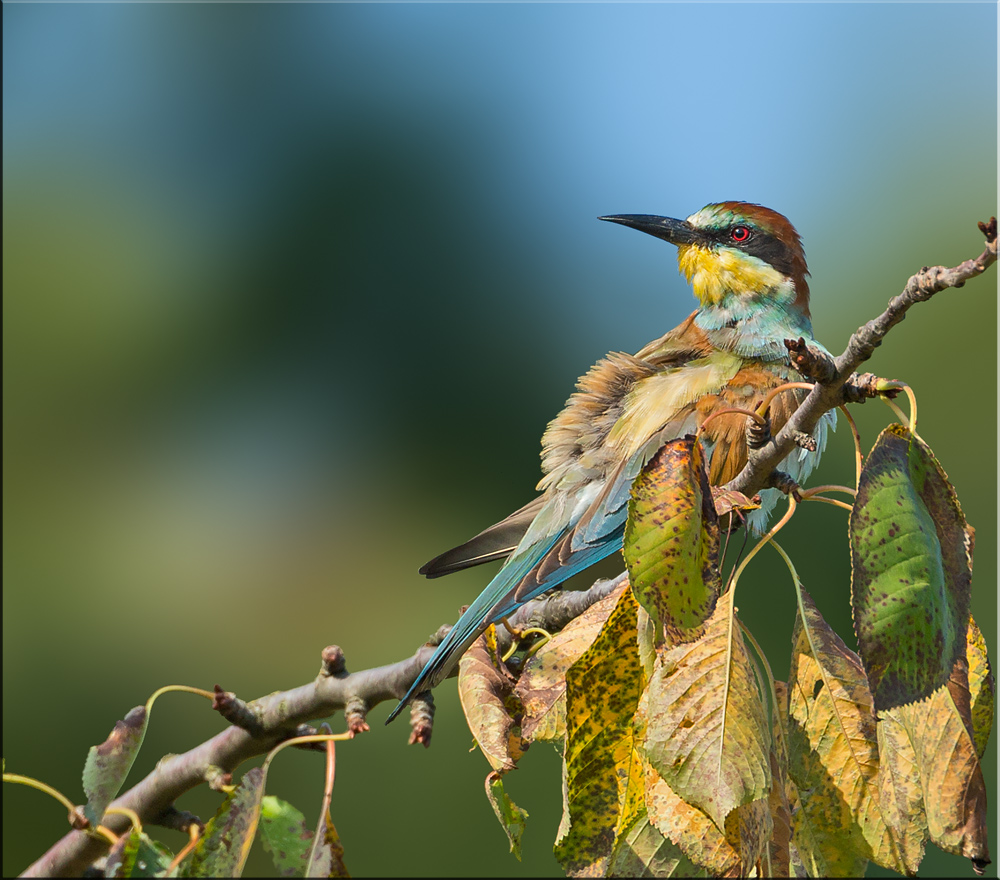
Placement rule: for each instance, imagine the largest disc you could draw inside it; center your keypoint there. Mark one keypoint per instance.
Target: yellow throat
(714, 272)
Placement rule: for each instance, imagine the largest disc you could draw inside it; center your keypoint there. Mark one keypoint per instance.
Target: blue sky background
(291, 291)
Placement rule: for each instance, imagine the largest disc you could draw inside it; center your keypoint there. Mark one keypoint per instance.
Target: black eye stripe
(759, 244)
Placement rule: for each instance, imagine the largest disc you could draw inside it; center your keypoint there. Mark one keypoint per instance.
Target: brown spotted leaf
(911, 562)
(223, 848)
(701, 721)
(108, 764)
(778, 847)
(602, 691)
(951, 779)
(671, 542)
(486, 690)
(982, 688)
(779, 855)
(833, 753)
(541, 687)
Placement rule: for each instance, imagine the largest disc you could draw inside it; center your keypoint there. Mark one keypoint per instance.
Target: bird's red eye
(739, 233)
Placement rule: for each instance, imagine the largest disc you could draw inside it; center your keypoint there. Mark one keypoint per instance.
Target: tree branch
(260, 725)
(836, 381)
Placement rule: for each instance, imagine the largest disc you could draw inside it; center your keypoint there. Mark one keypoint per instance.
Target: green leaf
(223, 848)
(672, 540)
(285, 836)
(600, 764)
(108, 764)
(911, 566)
(701, 722)
(136, 855)
(511, 817)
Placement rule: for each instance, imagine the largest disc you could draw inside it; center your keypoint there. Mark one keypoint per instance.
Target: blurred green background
(290, 293)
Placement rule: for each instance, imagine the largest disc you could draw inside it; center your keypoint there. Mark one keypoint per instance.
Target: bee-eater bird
(748, 270)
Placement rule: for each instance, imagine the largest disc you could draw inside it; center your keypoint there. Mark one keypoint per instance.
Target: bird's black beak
(674, 231)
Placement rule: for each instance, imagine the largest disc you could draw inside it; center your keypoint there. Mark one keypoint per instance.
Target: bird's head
(734, 250)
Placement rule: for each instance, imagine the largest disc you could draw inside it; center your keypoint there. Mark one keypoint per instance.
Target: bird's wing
(496, 542)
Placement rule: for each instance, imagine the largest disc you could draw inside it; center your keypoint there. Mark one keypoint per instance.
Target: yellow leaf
(689, 828)
(642, 851)
(701, 722)
(833, 753)
(900, 790)
(954, 792)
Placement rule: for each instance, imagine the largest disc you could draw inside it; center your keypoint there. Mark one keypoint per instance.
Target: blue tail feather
(490, 607)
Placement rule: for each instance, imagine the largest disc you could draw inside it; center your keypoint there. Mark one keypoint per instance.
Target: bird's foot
(804, 440)
(758, 433)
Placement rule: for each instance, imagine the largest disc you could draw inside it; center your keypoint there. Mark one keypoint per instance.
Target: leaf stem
(777, 527)
(41, 786)
(857, 444)
(893, 384)
(133, 817)
(835, 502)
(829, 487)
(814, 495)
(750, 414)
(177, 687)
(194, 832)
(774, 392)
(519, 637)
